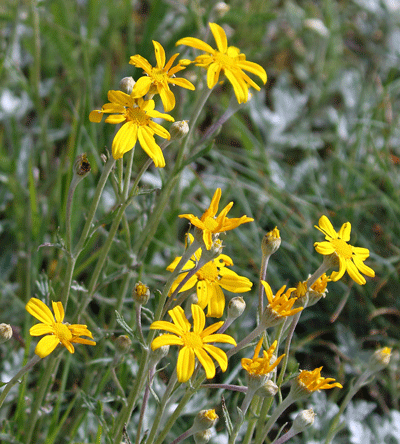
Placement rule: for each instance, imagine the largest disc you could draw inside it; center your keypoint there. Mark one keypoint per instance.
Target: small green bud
(271, 242)
(204, 420)
(380, 359)
(126, 85)
(179, 129)
(157, 355)
(303, 420)
(221, 8)
(268, 389)
(5, 333)
(236, 307)
(202, 437)
(123, 344)
(141, 293)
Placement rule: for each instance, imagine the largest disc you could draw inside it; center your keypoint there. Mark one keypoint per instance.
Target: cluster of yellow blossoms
(136, 113)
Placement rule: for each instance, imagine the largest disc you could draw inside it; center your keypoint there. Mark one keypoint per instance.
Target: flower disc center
(209, 272)
(62, 332)
(192, 340)
(137, 116)
(342, 248)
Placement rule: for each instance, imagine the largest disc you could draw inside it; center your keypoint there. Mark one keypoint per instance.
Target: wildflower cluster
(172, 320)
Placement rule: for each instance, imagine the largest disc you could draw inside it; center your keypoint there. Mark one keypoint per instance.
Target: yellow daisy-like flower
(196, 343)
(261, 366)
(281, 304)
(137, 115)
(159, 77)
(209, 280)
(210, 224)
(56, 331)
(351, 259)
(312, 381)
(227, 59)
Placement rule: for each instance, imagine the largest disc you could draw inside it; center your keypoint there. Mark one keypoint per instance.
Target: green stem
(17, 377)
(276, 413)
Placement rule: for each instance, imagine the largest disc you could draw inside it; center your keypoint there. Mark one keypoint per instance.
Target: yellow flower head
(210, 224)
(137, 115)
(281, 304)
(56, 331)
(227, 59)
(261, 366)
(351, 259)
(196, 343)
(312, 381)
(209, 280)
(159, 77)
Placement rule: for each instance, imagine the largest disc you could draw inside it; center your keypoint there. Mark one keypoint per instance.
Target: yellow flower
(209, 280)
(261, 366)
(228, 59)
(281, 304)
(312, 381)
(210, 224)
(196, 343)
(351, 259)
(55, 329)
(159, 77)
(137, 115)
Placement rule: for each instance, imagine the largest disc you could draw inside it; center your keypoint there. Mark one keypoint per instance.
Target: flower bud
(221, 8)
(271, 242)
(82, 166)
(268, 389)
(123, 344)
(5, 333)
(303, 420)
(126, 85)
(141, 293)
(179, 129)
(202, 437)
(236, 307)
(157, 355)
(380, 359)
(204, 420)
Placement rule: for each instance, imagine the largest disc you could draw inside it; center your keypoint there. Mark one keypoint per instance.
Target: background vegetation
(322, 137)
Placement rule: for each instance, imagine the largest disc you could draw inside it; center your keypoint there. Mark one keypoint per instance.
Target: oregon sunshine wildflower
(137, 115)
(351, 259)
(56, 332)
(261, 365)
(209, 224)
(209, 280)
(227, 59)
(158, 78)
(196, 343)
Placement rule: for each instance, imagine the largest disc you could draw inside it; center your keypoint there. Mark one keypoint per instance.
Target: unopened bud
(303, 420)
(82, 166)
(5, 333)
(123, 344)
(380, 359)
(157, 355)
(221, 8)
(268, 389)
(179, 129)
(126, 85)
(141, 293)
(271, 242)
(204, 420)
(202, 437)
(236, 307)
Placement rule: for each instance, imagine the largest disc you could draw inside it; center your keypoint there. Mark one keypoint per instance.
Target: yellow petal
(167, 97)
(195, 43)
(325, 224)
(344, 232)
(363, 268)
(77, 340)
(185, 364)
(219, 337)
(239, 85)
(206, 362)
(46, 345)
(166, 339)
(115, 119)
(141, 87)
(211, 329)
(254, 68)
(218, 354)
(124, 140)
(220, 37)
(202, 294)
(216, 301)
(67, 344)
(160, 54)
(140, 62)
(213, 72)
(167, 326)
(58, 311)
(40, 311)
(179, 319)
(41, 329)
(199, 319)
(354, 273)
(147, 142)
(324, 248)
(95, 116)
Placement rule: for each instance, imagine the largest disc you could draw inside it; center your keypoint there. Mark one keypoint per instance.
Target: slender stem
(161, 408)
(144, 404)
(285, 437)
(333, 428)
(276, 413)
(139, 322)
(323, 268)
(118, 384)
(263, 273)
(184, 435)
(233, 388)
(17, 377)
